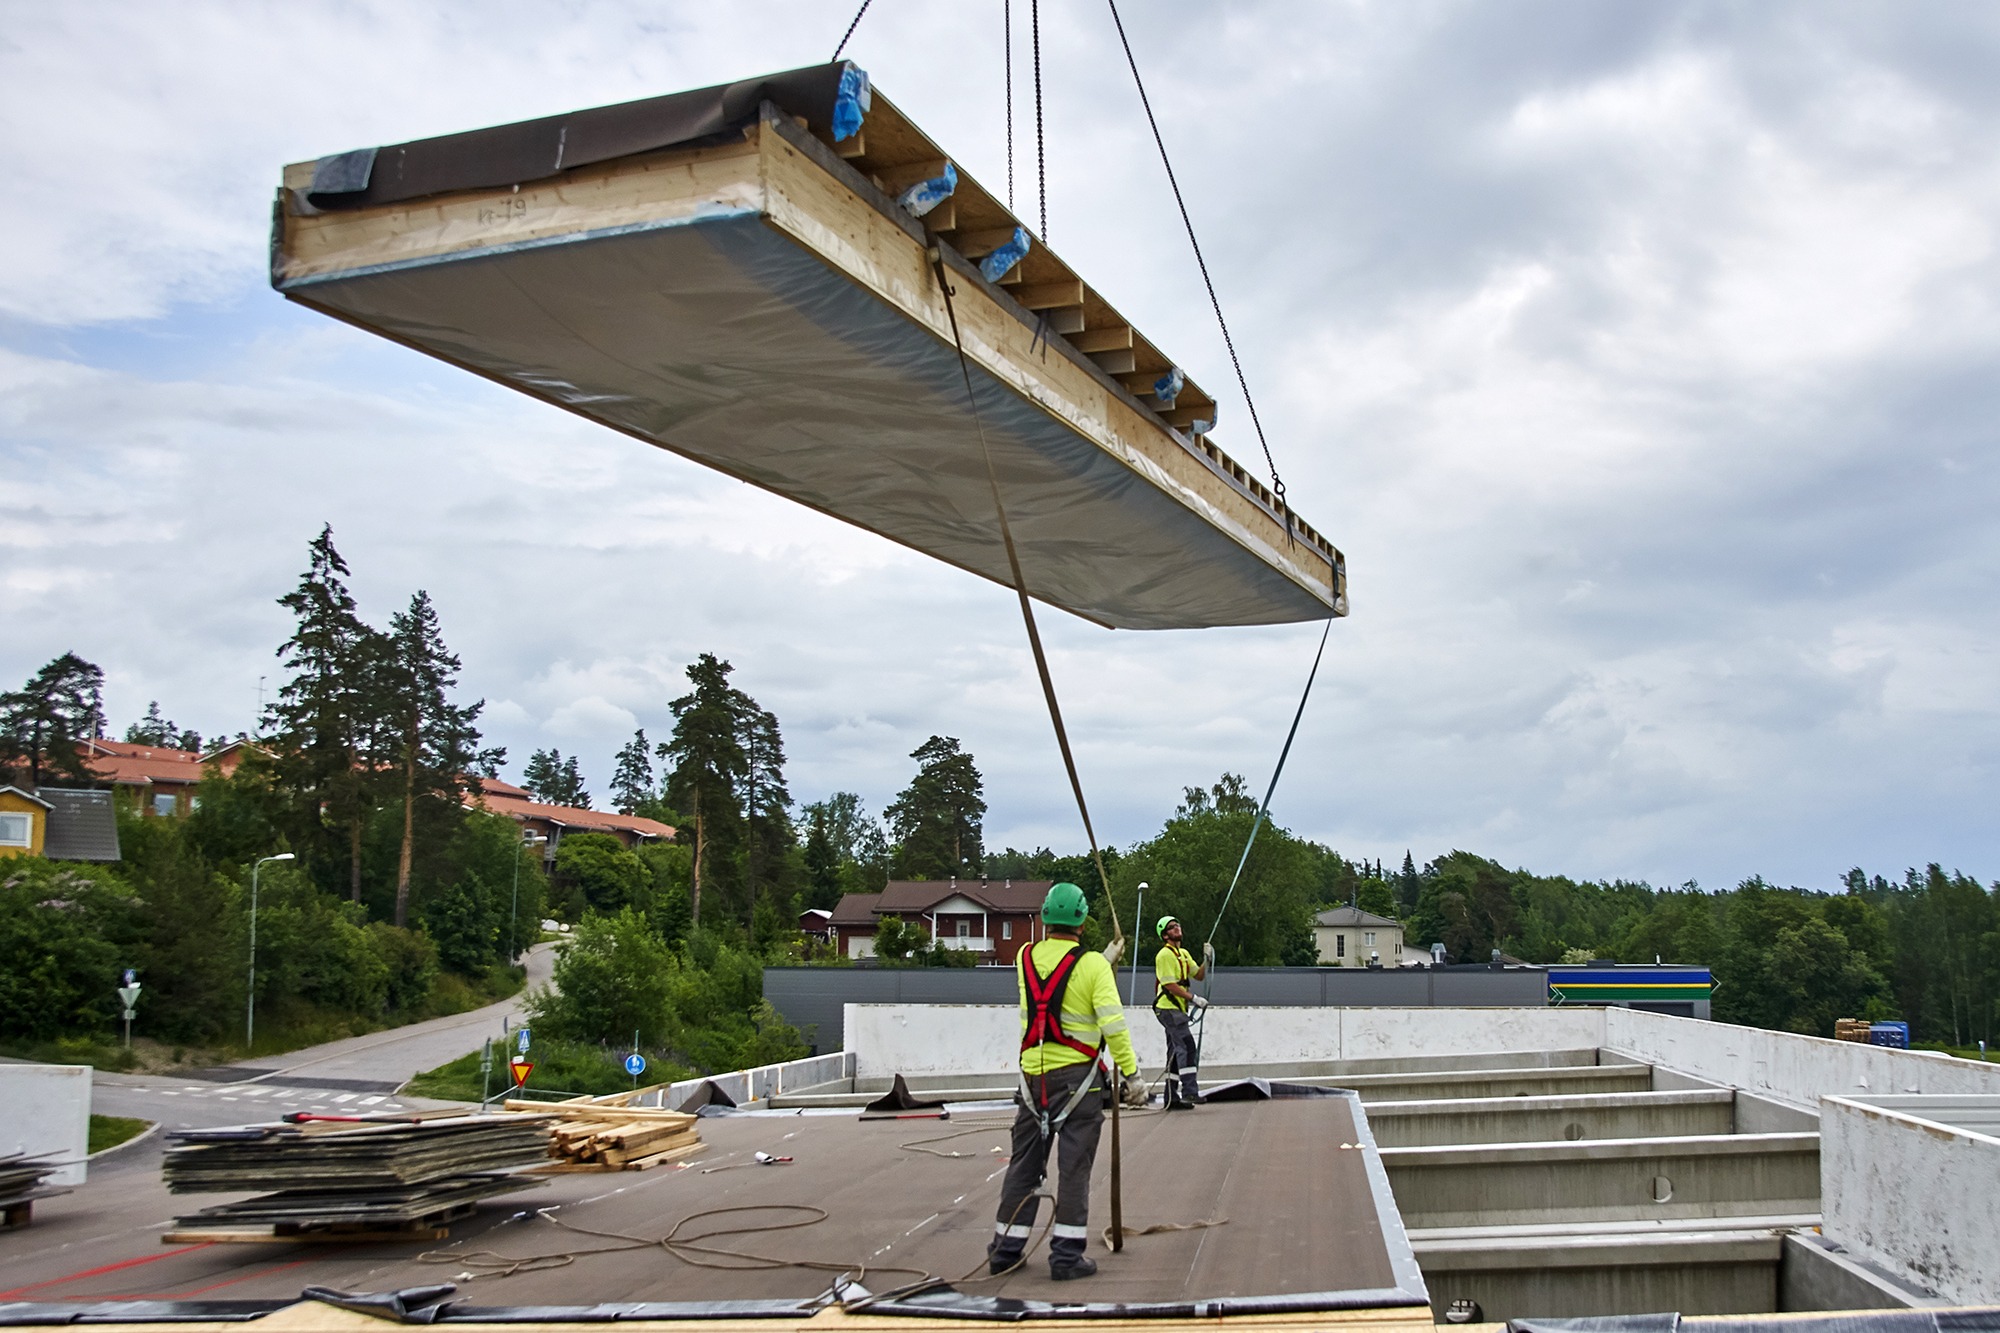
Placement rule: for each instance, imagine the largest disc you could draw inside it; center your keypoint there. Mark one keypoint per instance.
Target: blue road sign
(522, 1040)
(635, 1064)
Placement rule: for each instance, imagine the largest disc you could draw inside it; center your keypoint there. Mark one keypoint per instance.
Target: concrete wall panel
(45, 1112)
(1786, 1066)
(1918, 1196)
(1367, 1033)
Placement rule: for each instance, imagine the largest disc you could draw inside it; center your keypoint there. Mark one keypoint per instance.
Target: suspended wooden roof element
(715, 273)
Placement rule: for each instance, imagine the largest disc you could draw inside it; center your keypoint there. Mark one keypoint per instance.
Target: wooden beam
(982, 242)
(1066, 321)
(942, 218)
(1140, 383)
(896, 179)
(855, 145)
(1050, 295)
(1102, 340)
(1117, 361)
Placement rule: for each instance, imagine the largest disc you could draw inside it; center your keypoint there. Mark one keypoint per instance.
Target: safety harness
(1182, 962)
(1045, 1004)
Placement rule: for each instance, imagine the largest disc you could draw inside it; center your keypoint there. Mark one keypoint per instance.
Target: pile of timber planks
(21, 1178)
(351, 1179)
(606, 1134)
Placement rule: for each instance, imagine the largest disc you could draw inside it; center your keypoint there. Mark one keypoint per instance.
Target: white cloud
(1641, 361)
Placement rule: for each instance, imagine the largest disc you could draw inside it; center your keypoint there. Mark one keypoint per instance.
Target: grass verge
(578, 1068)
(108, 1131)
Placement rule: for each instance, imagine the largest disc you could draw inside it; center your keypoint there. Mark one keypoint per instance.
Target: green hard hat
(1065, 906)
(1166, 921)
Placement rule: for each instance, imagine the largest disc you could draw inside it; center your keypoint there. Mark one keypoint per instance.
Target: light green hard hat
(1065, 906)
(1165, 921)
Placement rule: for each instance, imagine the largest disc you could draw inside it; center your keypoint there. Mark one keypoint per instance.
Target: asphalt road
(382, 1062)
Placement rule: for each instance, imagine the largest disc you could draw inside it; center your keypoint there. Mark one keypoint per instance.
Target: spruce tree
(709, 769)
(329, 724)
(632, 775)
(436, 742)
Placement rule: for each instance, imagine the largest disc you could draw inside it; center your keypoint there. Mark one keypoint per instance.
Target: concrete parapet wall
(1619, 1115)
(1610, 1180)
(956, 1039)
(45, 1112)
(1784, 1065)
(1916, 1195)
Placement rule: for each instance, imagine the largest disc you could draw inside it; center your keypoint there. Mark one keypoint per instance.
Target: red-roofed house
(992, 918)
(160, 781)
(552, 821)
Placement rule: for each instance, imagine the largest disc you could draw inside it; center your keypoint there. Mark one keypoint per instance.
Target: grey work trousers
(1076, 1150)
(1180, 1055)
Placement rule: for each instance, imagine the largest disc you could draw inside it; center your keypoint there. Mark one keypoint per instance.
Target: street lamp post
(514, 910)
(250, 1013)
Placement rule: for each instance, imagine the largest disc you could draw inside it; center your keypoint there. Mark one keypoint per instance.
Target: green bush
(66, 933)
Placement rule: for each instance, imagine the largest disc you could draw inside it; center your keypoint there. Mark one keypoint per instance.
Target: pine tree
(709, 767)
(44, 725)
(938, 818)
(436, 741)
(329, 724)
(570, 788)
(632, 775)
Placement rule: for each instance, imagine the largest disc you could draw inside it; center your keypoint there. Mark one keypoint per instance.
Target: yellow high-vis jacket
(1174, 964)
(1091, 1010)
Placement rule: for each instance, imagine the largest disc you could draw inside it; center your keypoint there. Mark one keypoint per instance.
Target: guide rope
(1263, 812)
(1049, 695)
(1277, 483)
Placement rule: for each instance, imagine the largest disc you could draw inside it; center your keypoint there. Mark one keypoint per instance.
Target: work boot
(1179, 1104)
(999, 1261)
(1080, 1267)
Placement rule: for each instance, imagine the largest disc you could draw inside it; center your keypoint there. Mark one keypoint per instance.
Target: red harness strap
(1045, 1000)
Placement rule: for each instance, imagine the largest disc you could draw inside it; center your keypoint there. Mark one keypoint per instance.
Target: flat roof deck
(1300, 1212)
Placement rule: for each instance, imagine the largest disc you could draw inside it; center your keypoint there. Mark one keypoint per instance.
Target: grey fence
(811, 998)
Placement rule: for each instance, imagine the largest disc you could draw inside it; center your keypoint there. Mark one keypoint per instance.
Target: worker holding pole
(1174, 969)
(1070, 1017)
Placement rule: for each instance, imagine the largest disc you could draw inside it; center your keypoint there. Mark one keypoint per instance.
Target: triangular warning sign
(521, 1068)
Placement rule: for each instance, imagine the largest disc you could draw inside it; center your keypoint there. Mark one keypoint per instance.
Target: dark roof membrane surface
(1296, 1221)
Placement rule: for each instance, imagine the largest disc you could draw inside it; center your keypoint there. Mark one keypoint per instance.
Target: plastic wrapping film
(720, 338)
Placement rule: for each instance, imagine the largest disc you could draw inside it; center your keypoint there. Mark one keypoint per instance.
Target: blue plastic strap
(922, 197)
(994, 267)
(850, 102)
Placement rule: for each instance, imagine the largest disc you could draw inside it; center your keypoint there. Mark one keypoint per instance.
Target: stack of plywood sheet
(21, 1183)
(351, 1179)
(609, 1134)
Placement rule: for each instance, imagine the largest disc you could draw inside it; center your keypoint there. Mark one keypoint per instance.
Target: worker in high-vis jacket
(1174, 972)
(1071, 1019)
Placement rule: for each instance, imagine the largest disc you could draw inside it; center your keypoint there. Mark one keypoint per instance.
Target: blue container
(1889, 1034)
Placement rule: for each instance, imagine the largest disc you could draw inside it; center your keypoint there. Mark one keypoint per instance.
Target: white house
(1350, 937)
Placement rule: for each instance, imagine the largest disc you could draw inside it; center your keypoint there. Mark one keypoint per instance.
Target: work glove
(1208, 955)
(1114, 951)
(1132, 1092)
(1198, 1001)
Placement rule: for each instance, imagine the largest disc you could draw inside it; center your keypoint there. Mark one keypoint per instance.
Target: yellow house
(24, 822)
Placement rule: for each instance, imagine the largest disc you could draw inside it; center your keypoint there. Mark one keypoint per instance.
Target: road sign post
(128, 996)
(485, 1073)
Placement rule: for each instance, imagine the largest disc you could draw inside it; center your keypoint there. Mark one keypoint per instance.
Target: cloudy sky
(1641, 357)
